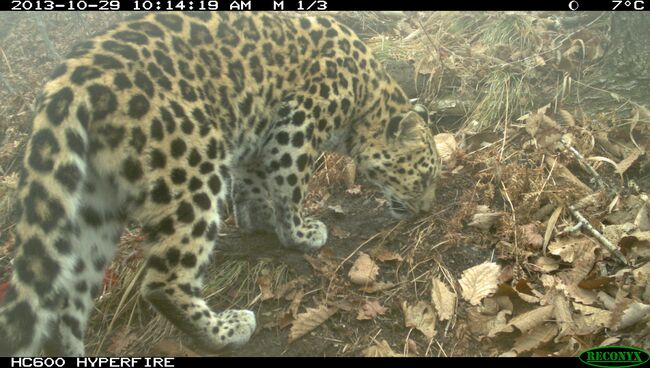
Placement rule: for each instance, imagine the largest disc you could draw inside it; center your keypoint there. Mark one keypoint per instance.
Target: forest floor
(498, 267)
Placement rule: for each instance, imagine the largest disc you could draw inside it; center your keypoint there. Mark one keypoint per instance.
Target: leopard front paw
(310, 234)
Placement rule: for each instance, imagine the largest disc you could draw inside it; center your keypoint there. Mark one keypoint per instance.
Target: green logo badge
(614, 356)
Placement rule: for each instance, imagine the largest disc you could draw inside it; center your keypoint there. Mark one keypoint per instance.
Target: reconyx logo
(614, 356)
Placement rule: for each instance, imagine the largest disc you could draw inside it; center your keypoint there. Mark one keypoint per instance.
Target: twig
(584, 224)
(585, 164)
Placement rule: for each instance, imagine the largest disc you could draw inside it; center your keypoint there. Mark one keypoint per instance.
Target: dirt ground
(548, 291)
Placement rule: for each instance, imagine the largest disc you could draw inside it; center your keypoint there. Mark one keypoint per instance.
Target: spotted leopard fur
(151, 120)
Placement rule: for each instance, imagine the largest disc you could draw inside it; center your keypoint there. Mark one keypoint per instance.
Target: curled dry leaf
(638, 244)
(477, 322)
(384, 255)
(563, 315)
(627, 162)
(377, 287)
(642, 274)
(527, 293)
(421, 317)
(529, 320)
(295, 301)
(582, 265)
(596, 282)
(489, 306)
(547, 264)
(642, 219)
(412, 347)
(570, 248)
(306, 322)
(290, 286)
(364, 271)
(479, 281)
(484, 220)
(608, 301)
(573, 291)
(380, 350)
(628, 313)
(442, 299)
(550, 225)
(530, 237)
(371, 309)
(590, 319)
(498, 323)
(535, 338)
(447, 147)
(614, 233)
(264, 282)
(323, 265)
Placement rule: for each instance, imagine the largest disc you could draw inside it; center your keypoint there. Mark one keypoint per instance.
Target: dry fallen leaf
(264, 282)
(312, 318)
(569, 249)
(534, 338)
(421, 317)
(638, 244)
(497, 323)
(529, 320)
(628, 313)
(622, 166)
(322, 265)
(380, 350)
(550, 225)
(121, 341)
(290, 286)
(526, 321)
(295, 301)
(479, 281)
(590, 319)
(172, 347)
(530, 237)
(371, 309)
(364, 271)
(563, 316)
(442, 299)
(376, 287)
(338, 232)
(384, 255)
(483, 219)
(547, 264)
(447, 147)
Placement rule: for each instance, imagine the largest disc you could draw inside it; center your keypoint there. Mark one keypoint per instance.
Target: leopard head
(403, 162)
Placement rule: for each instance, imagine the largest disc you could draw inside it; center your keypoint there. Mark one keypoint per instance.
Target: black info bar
(93, 362)
(320, 5)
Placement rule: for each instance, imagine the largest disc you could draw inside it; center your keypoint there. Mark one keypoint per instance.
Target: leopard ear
(406, 130)
(423, 112)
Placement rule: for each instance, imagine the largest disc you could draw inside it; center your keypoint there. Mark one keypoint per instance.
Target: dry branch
(584, 224)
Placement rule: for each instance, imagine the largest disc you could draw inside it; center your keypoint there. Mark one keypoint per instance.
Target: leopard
(162, 121)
